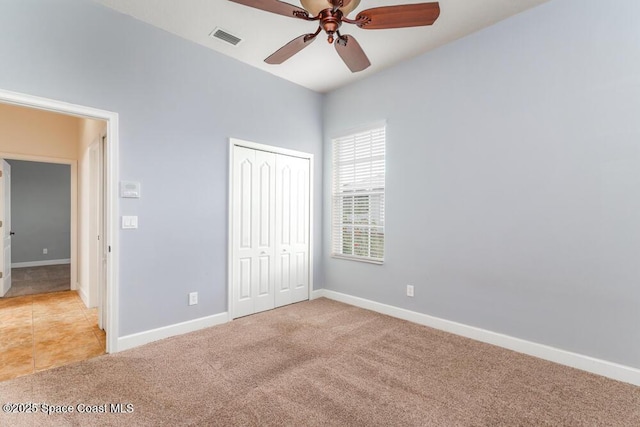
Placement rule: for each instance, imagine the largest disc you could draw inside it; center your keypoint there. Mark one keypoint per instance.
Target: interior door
(292, 230)
(96, 223)
(103, 247)
(5, 229)
(97, 253)
(253, 231)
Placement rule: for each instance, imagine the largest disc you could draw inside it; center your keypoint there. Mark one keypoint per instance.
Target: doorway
(44, 321)
(108, 210)
(37, 206)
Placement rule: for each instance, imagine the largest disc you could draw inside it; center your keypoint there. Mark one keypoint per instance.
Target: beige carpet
(323, 363)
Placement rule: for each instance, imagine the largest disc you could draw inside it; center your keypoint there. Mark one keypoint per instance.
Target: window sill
(349, 258)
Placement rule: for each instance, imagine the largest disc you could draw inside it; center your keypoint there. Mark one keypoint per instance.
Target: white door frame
(73, 218)
(111, 180)
(277, 150)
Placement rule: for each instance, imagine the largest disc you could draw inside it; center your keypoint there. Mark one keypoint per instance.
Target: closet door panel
(253, 231)
(284, 217)
(245, 279)
(300, 247)
(292, 229)
(264, 224)
(264, 276)
(242, 240)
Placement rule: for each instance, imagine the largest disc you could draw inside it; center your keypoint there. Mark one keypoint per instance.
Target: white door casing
(269, 227)
(5, 228)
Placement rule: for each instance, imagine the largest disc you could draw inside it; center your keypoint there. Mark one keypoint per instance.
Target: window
(357, 222)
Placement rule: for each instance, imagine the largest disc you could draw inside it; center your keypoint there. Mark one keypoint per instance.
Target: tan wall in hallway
(38, 133)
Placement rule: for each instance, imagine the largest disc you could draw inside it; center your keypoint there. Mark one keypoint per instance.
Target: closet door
(292, 230)
(253, 247)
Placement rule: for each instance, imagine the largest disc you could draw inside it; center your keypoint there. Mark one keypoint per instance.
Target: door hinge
(0, 223)
(109, 249)
(0, 174)
(0, 274)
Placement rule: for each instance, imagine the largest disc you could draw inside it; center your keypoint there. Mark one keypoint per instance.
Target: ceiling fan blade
(274, 6)
(407, 15)
(351, 53)
(290, 49)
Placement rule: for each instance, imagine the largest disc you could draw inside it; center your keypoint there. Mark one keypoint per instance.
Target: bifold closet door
(292, 230)
(270, 230)
(253, 241)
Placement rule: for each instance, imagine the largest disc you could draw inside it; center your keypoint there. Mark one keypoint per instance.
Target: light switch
(129, 222)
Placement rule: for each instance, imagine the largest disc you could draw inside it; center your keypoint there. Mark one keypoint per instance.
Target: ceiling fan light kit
(314, 7)
(331, 14)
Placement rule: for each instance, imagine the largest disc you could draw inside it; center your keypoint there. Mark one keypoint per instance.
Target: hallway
(39, 280)
(45, 331)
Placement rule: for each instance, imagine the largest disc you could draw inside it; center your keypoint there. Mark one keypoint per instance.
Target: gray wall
(513, 186)
(178, 104)
(40, 211)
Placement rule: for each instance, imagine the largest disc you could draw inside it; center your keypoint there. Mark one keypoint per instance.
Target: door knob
(11, 233)
(263, 253)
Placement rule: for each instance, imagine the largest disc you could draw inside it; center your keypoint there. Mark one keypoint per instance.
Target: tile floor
(38, 280)
(39, 332)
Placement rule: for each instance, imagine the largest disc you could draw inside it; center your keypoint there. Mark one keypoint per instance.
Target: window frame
(370, 191)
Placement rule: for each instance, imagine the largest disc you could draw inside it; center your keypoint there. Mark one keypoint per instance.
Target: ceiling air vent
(225, 36)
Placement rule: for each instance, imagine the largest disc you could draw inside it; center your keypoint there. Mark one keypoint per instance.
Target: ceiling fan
(332, 13)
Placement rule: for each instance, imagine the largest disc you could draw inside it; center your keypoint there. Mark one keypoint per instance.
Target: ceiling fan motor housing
(330, 21)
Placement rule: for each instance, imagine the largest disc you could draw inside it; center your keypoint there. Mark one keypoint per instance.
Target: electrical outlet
(193, 298)
(409, 290)
(45, 251)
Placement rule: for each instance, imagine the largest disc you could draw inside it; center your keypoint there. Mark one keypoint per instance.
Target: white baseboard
(40, 263)
(586, 363)
(140, 338)
(83, 296)
(317, 293)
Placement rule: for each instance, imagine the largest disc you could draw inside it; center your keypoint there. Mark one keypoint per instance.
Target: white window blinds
(358, 195)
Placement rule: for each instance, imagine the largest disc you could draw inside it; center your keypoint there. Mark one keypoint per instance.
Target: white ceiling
(317, 67)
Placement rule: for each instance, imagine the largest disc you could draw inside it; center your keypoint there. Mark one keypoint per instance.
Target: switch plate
(409, 290)
(129, 222)
(45, 251)
(193, 298)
